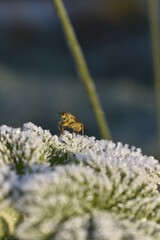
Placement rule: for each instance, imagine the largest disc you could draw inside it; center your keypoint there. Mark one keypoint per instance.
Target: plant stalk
(82, 68)
(153, 7)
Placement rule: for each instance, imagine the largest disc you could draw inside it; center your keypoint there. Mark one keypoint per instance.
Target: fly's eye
(63, 115)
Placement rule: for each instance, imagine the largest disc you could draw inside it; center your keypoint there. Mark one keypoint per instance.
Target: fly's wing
(80, 124)
(73, 118)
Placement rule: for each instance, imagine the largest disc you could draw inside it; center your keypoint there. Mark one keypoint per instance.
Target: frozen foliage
(98, 225)
(102, 153)
(32, 144)
(9, 216)
(77, 191)
(100, 190)
(20, 147)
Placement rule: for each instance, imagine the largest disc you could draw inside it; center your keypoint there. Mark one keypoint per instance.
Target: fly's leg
(82, 126)
(61, 128)
(73, 134)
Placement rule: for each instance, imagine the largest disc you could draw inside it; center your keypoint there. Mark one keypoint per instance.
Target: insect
(68, 120)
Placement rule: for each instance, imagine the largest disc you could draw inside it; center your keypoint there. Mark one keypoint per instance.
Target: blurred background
(38, 78)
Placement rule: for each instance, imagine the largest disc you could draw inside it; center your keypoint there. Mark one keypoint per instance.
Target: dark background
(38, 78)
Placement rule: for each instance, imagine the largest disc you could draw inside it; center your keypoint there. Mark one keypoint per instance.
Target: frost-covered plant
(20, 147)
(103, 153)
(98, 225)
(9, 216)
(100, 190)
(11, 187)
(76, 191)
(31, 144)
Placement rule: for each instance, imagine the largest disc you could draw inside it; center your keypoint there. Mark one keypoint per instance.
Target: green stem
(153, 7)
(82, 68)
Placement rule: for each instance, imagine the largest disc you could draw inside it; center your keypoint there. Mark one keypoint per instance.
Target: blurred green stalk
(153, 7)
(82, 68)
